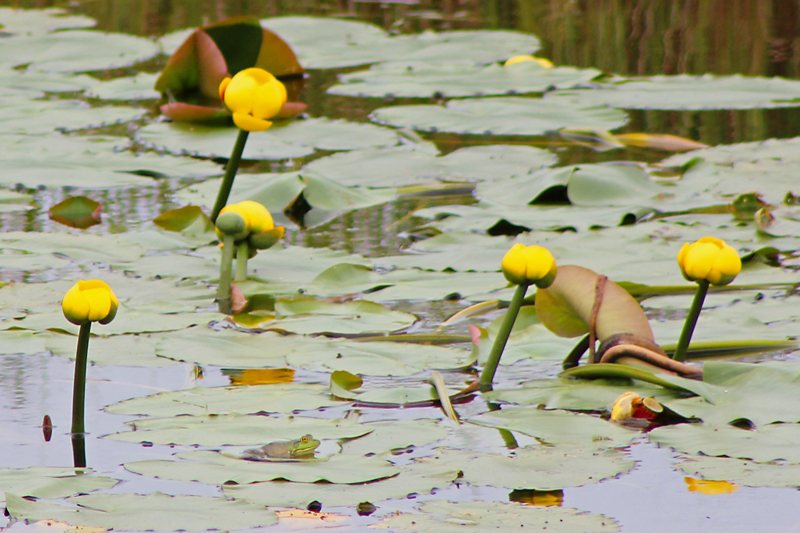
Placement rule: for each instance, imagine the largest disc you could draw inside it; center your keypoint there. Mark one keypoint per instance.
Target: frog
(301, 449)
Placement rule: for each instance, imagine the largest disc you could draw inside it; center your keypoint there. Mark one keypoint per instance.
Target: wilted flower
(253, 95)
(90, 301)
(709, 259)
(529, 264)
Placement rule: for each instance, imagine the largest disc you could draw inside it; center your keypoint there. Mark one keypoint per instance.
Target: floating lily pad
(139, 87)
(151, 512)
(51, 482)
(15, 341)
(216, 469)
(76, 212)
(332, 43)
(235, 429)
(77, 51)
(765, 444)
(275, 398)
(556, 427)
(328, 134)
(27, 22)
(414, 478)
(694, 93)
(458, 79)
(502, 116)
(89, 162)
(35, 83)
(119, 350)
(391, 435)
(412, 164)
(47, 116)
(539, 467)
(78, 248)
(482, 517)
(741, 472)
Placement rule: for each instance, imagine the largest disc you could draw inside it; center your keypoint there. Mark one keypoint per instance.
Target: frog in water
(300, 449)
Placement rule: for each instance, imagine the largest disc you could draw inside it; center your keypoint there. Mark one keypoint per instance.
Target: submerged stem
(79, 384)
(225, 267)
(242, 253)
(485, 380)
(230, 173)
(691, 321)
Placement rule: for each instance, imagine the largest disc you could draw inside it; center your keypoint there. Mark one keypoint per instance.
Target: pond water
(626, 39)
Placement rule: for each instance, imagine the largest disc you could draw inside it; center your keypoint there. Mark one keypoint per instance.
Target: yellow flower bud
(253, 95)
(529, 264)
(90, 301)
(709, 259)
(256, 217)
(522, 59)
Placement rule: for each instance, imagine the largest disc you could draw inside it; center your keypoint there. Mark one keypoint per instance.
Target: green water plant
(243, 228)
(708, 261)
(254, 96)
(523, 266)
(86, 302)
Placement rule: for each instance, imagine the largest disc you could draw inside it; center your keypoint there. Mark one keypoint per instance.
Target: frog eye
(304, 439)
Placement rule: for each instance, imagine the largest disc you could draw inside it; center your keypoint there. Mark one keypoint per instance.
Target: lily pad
(51, 482)
(217, 469)
(139, 87)
(502, 116)
(47, 116)
(765, 444)
(333, 135)
(235, 429)
(458, 79)
(27, 22)
(77, 51)
(556, 427)
(741, 472)
(119, 350)
(493, 516)
(538, 467)
(276, 398)
(322, 43)
(414, 478)
(150, 512)
(76, 212)
(694, 93)
(413, 164)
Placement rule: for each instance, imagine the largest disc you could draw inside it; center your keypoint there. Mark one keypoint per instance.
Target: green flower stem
(79, 385)
(691, 321)
(230, 174)
(242, 253)
(78, 451)
(226, 264)
(485, 381)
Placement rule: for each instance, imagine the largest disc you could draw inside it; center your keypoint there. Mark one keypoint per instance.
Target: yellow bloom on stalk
(709, 259)
(529, 264)
(90, 301)
(253, 95)
(523, 58)
(256, 217)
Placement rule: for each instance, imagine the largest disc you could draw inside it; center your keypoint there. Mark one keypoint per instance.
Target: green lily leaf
(27, 22)
(189, 220)
(138, 87)
(150, 512)
(615, 371)
(693, 92)
(51, 482)
(741, 472)
(501, 116)
(77, 212)
(425, 79)
(414, 478)
(492, 516)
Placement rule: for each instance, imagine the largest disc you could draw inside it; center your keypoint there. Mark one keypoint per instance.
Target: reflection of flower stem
(230, 174)
(242, 251)
(79, 385)
(691, 321)
(226, 264)
(485, 381)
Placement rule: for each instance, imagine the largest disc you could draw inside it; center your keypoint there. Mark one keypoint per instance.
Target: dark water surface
(646, 37)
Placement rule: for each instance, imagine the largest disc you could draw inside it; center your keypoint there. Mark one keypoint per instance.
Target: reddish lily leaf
(193, 73)
(660, 141)
(189, 219)
(565, 307)
(77, 212)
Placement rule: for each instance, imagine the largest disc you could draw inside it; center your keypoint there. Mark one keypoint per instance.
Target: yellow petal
(222, 86)
(269, 99)
(513, 265)
(75, 306)
(256, 216)
(250, 123)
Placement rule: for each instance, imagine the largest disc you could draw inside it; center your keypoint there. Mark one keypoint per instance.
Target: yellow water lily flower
(523, 58)
(253, 95)
(90, 301)
(257, 218)
(709, 259)
(529, 264)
